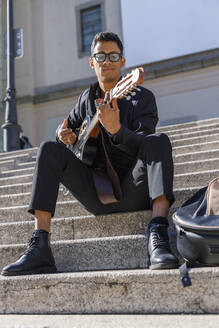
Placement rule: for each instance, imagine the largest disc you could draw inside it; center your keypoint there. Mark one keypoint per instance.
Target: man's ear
(123, 60)
(91, 62)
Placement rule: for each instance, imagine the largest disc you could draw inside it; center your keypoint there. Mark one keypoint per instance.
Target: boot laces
(32, 243)
(159, 239)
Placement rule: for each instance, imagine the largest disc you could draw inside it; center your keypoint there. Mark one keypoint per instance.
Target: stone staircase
(102, 260)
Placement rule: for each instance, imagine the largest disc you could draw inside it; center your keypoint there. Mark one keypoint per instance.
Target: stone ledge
(182, 64)
(123, 291)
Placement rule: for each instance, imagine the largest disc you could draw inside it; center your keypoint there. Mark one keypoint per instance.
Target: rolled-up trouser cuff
(32, 210)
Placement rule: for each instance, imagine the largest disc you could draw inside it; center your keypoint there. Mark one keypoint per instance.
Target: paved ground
(109, 321)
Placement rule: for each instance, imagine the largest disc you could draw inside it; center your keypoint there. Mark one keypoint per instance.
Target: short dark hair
(106, 36)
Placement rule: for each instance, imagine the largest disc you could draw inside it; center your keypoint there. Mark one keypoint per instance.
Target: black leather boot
(160, 255)
(38, 257)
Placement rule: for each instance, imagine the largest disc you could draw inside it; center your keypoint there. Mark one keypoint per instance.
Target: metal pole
(10, 129)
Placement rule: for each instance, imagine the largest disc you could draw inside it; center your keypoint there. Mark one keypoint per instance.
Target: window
(89, 22)
(90, 25)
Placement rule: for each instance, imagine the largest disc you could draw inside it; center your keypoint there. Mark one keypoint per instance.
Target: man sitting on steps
(141, 159)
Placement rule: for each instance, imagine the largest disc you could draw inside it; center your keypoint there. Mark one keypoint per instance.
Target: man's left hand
(109, 116)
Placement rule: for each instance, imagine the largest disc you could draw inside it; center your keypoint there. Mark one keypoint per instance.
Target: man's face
(107, 71)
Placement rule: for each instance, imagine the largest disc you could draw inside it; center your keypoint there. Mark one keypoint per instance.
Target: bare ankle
(42, 220)
(160, 207)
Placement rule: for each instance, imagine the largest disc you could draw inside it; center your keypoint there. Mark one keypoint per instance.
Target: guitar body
(87, 152)
(86, 146)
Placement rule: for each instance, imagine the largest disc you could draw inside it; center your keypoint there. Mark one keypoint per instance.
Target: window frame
(78, 9)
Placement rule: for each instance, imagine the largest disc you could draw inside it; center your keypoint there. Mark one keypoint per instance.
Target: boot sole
(161, 266)
(50, 269)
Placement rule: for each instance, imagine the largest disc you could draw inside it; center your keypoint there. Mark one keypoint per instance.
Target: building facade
(54, 68)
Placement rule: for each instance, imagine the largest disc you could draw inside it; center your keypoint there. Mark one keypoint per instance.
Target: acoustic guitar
(86, 146)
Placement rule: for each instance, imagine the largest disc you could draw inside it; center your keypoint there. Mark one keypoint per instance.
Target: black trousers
(150, 177)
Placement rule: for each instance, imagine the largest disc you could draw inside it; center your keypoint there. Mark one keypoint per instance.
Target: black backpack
(197, 229)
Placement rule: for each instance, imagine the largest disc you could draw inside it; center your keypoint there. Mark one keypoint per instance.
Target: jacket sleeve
(75, 117)
(143, 123)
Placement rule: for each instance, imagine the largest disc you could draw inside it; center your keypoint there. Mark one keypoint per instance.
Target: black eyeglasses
(113, 56)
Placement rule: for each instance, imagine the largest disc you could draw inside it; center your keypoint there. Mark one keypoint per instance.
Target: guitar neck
(93, 122)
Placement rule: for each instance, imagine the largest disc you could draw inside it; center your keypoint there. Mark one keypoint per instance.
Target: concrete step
(24, 198)
(19, 212)
(196, 156)
(193, 130)
(8, 164)
(189, 125)
(195, 140)
(25, 165)
(14, 199)
(15, 188)
(193, 179)
(81, 227)
(15, 172)
(114, 291)
(20, 158)
(16, 179)
(199, 165)
(205, 146)
(108, 253)
(108, 320)
(18, 188)
(12, 165)
(20, 152)
(192, 134)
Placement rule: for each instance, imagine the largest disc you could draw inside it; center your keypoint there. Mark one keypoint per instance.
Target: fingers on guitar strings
(107, 97)
(97, 104)
(114, 105)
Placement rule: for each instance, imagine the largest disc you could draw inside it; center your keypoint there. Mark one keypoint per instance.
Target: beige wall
(50, 57)
(36, 118)
(188, 96)
(50, 42)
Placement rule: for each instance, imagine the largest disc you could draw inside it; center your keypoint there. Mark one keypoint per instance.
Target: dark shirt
(24, 142)
(138, 117)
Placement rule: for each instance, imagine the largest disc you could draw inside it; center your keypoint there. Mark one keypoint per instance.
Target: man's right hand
(66, 135)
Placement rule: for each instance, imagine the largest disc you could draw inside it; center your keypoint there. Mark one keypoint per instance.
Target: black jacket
(138, 117)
